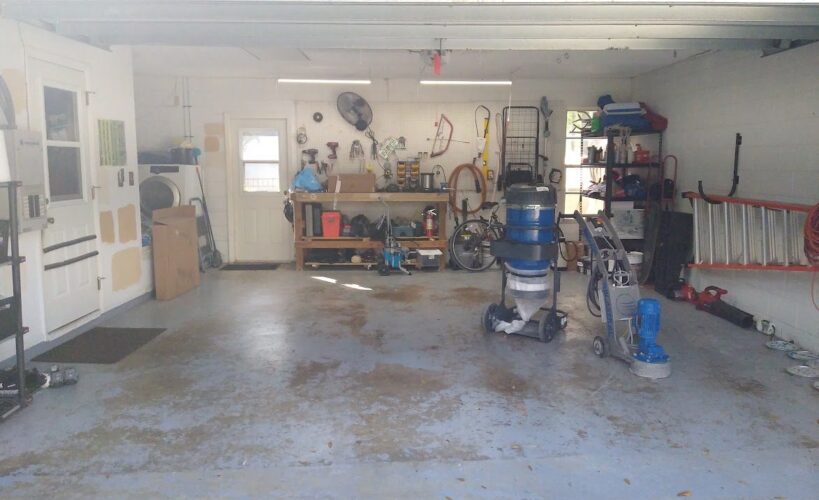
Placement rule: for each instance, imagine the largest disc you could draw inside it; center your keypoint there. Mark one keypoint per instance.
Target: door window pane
(261, 177)
(260, 147)
(64, 173)
(61, 115)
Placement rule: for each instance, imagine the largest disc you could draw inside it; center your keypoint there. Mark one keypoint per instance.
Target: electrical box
(25, 154)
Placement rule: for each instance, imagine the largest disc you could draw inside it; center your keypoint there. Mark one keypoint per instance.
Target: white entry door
(57, 109)
(259, 173)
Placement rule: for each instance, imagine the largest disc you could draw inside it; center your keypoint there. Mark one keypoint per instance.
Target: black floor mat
(100, 345)
(259, 266)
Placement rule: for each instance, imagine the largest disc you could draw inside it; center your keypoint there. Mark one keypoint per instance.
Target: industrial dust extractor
(529, 275)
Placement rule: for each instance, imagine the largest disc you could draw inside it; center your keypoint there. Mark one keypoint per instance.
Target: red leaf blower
(710, 300)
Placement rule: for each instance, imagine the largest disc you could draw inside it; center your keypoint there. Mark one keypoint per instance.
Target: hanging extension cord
(812, 248)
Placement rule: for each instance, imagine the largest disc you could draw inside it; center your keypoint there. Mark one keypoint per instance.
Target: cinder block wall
(774, 103)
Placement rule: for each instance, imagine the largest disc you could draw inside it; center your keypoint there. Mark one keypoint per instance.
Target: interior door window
(63, 146)
(260, 162)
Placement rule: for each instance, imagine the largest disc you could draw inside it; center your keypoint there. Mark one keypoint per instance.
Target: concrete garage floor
(277, 384)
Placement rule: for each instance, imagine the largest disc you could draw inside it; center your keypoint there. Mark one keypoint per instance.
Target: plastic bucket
(635, 259)
(331, 224)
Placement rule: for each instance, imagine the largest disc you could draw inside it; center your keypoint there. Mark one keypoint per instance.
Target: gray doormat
(100, 345)
(259, 266)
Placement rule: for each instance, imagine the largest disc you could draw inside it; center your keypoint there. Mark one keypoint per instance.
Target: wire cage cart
(520, 147)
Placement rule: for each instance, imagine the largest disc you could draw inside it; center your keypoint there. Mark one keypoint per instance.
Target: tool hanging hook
(735, 180)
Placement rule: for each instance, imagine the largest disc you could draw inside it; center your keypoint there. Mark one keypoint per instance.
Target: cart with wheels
(528, 255)
(613, 294)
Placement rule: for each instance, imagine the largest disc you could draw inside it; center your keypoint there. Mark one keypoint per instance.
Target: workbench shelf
(303, 242)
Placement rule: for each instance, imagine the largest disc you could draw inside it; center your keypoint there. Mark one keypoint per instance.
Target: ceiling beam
(380, 12)
(518, 25)
(122, 31)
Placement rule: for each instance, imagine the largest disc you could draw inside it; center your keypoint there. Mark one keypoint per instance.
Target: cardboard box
(176, 251)
(351, 183)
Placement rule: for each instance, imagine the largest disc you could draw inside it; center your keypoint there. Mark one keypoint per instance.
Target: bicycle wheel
(469, 245)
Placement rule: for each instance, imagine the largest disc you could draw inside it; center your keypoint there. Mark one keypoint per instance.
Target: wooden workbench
(440, 200)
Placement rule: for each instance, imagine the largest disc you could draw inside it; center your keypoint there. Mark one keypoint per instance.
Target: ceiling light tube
(324, 80)
(467, 82)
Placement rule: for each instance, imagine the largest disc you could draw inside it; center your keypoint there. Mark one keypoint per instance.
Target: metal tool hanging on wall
(482, 133)
(443, 137)
(734, 180)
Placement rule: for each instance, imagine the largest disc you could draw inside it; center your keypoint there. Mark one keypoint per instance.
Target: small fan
(355, 110)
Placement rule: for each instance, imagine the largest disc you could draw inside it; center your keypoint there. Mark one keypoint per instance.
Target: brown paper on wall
(211, 144)
(107, 234)
(126, 218)
(215, 129)
(126, 268)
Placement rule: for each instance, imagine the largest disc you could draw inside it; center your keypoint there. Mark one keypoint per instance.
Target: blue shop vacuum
(528, 255)
(613, 294)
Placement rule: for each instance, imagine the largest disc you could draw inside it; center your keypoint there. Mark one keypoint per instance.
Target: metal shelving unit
(11, 401)
(610, 165)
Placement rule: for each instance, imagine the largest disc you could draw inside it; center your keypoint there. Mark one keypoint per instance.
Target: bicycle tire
(465, 240)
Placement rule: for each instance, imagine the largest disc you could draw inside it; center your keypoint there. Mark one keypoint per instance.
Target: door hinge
(99, 282)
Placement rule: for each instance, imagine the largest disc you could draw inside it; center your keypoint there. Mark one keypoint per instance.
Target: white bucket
(635, 259)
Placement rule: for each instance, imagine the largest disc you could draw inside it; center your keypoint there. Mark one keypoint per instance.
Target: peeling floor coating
(273, 384)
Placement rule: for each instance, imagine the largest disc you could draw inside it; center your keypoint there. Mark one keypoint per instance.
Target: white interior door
(57, 109)
(259, 171)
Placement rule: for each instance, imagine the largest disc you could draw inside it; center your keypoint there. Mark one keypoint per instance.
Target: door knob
(50, 220)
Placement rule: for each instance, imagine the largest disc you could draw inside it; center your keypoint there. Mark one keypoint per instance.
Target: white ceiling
(375, 64)
(419, 24)
(518, 39)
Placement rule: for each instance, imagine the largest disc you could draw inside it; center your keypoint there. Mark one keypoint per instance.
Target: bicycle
(469, 246)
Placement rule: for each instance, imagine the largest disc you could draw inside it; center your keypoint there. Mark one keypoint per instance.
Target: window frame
(76, 144)
(568, 136)
(243, 163)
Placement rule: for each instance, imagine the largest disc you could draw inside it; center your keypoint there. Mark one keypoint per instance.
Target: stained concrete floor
(277, 384)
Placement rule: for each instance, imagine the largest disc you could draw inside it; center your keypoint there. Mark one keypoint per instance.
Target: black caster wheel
(547, 327)
(488, 318)
(600, 347)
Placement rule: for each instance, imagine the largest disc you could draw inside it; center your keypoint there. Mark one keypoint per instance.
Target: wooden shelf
(370, 197)
(622, 165)
(303, 243)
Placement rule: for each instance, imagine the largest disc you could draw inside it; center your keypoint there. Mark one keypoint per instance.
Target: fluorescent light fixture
(323, 80)
(467, 82)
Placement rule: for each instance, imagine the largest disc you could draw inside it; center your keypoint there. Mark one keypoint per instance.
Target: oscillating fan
(355, 110)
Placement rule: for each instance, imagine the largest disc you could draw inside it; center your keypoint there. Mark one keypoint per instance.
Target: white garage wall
(109, 77)
(401, 107)
(774, 103)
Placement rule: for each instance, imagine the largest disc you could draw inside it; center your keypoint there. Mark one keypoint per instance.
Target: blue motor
(648, 327)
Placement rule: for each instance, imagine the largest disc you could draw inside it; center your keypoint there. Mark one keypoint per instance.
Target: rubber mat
(100, 345)
(259, 266)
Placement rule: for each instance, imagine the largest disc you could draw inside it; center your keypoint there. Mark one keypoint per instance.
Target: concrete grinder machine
(613, 294)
